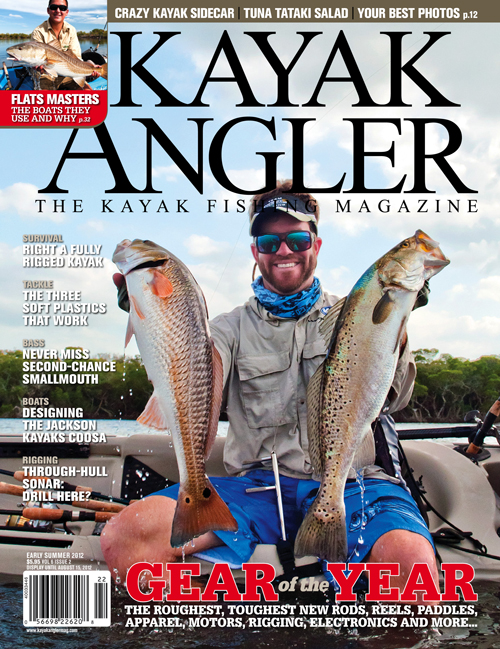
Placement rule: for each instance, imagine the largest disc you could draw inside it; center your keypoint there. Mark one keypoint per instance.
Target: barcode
(100, 600)
(67, 598)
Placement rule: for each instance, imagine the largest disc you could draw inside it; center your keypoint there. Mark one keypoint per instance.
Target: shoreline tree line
(97, 34)
(445, 389)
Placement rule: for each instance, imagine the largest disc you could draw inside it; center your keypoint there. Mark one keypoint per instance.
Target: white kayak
(465, 493)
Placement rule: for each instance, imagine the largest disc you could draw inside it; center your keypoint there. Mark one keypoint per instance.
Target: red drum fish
(349, 389)
(168, 316)
(55, 61)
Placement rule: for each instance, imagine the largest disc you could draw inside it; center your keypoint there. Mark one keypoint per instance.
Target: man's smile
(289, 264)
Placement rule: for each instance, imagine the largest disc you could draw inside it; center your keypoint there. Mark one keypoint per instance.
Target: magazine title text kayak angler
(422, 168)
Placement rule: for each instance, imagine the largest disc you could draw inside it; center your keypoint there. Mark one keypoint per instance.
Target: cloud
(248, 179)
(459, 335)
(20, 198)
(98, 226)
(14, 16)
(458, 290)
(489, 288)
(337, 281)
(224, 272)
(170, 174)
(483, 255)
(226, 283)
(97, 17)
(203, 246)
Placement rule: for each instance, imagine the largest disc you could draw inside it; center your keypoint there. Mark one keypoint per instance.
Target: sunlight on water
(121, 427)
(15, 636)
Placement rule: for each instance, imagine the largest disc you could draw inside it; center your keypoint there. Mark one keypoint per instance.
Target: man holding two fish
(270, 349)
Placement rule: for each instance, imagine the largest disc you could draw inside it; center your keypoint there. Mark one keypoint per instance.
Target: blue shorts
(385, 507)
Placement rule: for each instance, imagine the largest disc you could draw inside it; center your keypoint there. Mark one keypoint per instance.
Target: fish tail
(323, 534)
(104, 70)
(199, 511)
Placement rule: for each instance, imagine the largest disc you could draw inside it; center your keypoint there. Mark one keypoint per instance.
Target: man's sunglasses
(296, 241)
(62, 8)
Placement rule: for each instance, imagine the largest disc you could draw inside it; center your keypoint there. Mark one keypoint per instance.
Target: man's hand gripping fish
(349, 389)
(168, 316)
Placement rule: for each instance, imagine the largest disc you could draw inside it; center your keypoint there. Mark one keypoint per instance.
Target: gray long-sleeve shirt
(268, 362)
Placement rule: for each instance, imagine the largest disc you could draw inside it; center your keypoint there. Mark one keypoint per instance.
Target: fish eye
(405, 244)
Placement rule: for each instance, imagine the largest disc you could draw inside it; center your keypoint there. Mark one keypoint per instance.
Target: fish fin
(401, 332)
(55, 44)
(328, 322)
(314, 407)
(51, 73)
(217, 387)
(198, 513)
(161, 286)
(133, 302)
(130, 332)
(66, 80)
(205, 302)
(338, 324)
(81, 82)
(323, 534)
(365, 453)
(153, 415)
(383, 308)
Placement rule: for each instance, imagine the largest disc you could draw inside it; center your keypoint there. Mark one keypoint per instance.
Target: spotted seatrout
(168, 316)
(349, 389)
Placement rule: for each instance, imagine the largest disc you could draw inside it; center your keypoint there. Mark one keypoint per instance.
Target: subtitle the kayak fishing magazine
(250, 316)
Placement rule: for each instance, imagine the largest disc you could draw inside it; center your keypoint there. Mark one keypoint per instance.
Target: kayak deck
(17, 77)
(466, 494)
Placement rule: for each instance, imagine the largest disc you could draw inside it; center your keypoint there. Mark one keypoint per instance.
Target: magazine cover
(270, 251)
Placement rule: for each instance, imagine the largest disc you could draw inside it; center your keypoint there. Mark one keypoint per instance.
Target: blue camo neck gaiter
(287, 306)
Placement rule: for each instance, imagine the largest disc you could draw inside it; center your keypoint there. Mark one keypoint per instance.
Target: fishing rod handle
(489, 420)
(99, 506)
(11, 489)
(40, 514)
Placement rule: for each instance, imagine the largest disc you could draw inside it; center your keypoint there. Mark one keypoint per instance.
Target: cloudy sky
(23, 16)
(463, 315)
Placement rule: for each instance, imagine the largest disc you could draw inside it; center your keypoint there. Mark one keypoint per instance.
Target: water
(121, 427)
(485, 636)
(127, 427)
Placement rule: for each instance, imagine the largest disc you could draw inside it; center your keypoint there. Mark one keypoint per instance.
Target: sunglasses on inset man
(299, 241)
(62, 8)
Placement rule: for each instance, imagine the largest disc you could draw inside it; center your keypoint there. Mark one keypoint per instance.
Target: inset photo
(54, 63)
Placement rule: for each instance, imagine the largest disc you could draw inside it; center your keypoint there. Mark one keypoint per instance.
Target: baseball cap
(301, 210)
